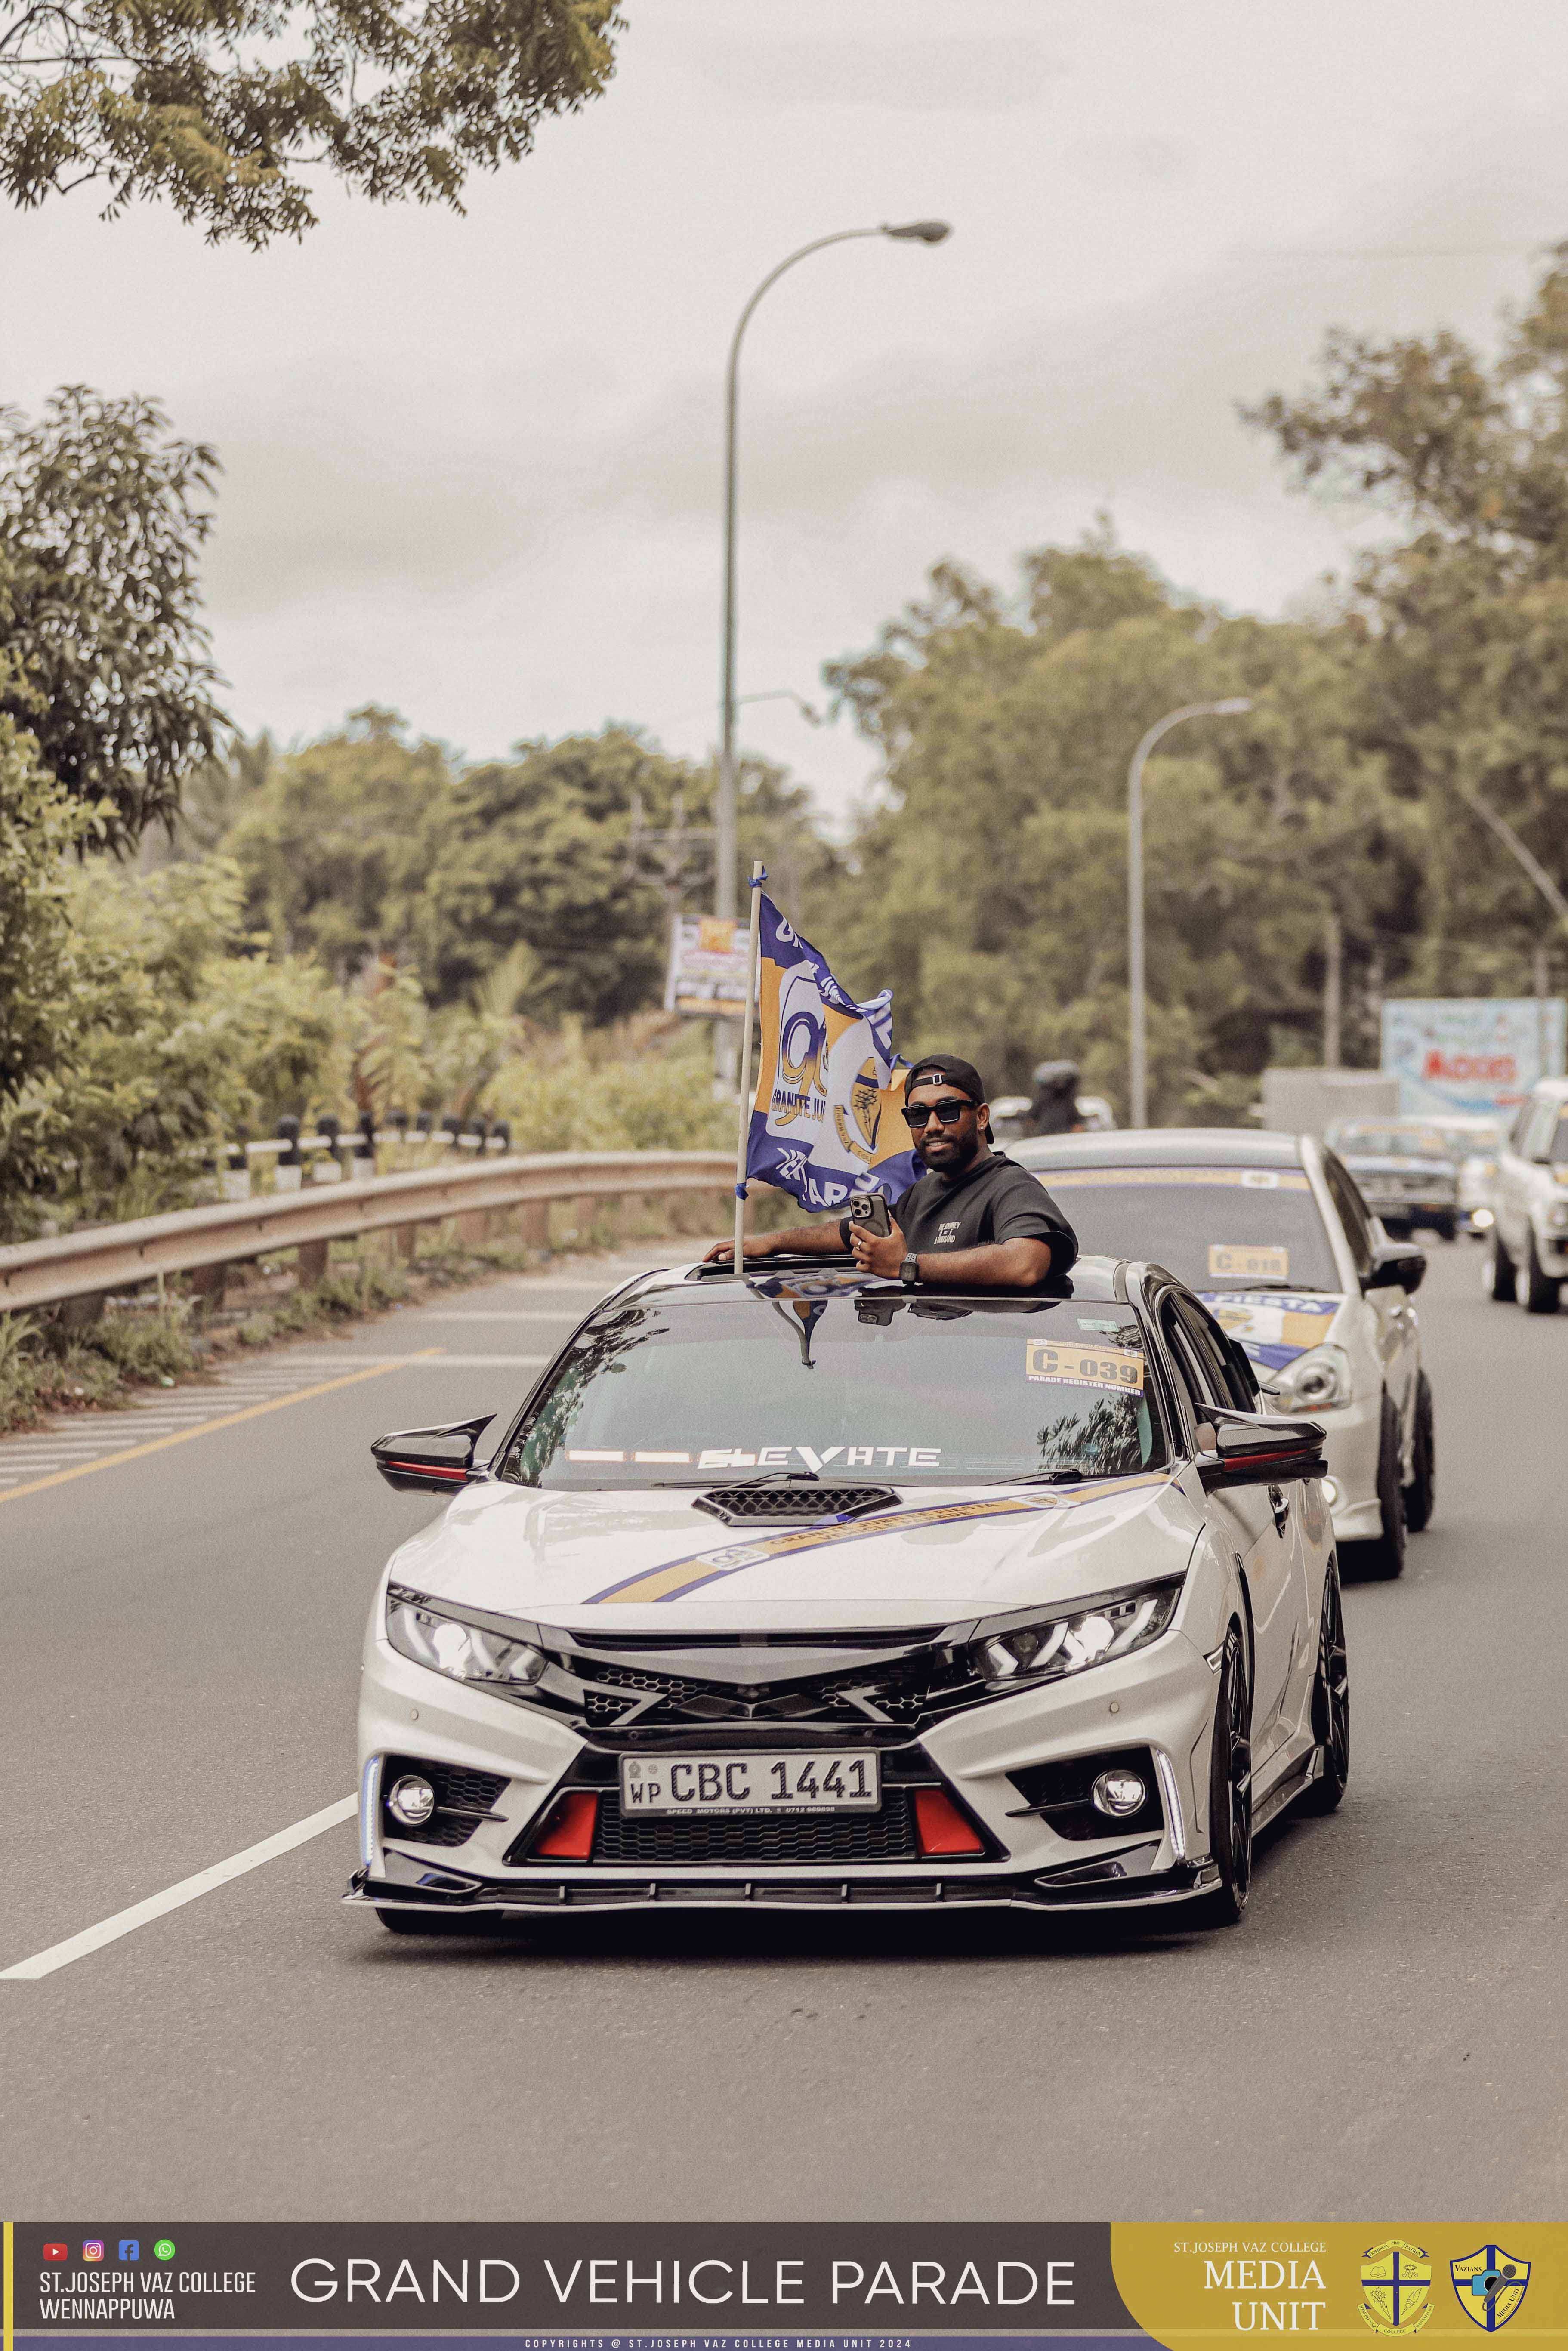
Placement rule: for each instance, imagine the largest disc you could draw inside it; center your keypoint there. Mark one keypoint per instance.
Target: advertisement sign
(706, 970)
(1480, 1053)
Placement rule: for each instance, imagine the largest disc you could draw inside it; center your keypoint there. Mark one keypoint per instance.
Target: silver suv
(1531, 1236)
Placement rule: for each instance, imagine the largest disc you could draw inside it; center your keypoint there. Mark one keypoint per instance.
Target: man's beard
(963, 1158)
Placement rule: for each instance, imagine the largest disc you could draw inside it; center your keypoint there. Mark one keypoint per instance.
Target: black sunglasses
(948, 1113)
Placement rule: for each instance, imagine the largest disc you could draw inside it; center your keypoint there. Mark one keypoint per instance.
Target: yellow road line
(206, 1428)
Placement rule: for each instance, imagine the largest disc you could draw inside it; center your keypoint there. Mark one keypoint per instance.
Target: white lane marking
(174, 1897)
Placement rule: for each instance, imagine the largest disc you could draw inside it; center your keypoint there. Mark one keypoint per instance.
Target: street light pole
(1137, 1006)
(906, 232)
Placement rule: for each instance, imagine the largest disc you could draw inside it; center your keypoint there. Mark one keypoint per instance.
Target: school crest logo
(1490, 2286)
(865, 1107)
(1396, 2287)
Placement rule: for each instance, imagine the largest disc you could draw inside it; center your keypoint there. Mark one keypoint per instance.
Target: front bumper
(1160, 1699)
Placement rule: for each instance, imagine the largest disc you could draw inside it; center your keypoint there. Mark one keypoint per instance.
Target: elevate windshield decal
(1273, 1329)
(684, 1575)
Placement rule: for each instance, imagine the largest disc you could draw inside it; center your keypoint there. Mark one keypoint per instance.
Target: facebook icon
(130, 2249)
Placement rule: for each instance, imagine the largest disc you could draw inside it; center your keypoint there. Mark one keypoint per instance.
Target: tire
(1543, 1295)
(1385, 1556)
(1231, 1791)
(1504, 1279)
(1331, 1703)
(1421, 1494)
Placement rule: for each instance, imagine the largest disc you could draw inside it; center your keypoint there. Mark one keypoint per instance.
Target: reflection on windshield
(1219, 1230)
(815, 1378)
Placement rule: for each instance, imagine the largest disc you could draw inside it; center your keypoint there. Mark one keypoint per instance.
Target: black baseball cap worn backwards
(946, 1070)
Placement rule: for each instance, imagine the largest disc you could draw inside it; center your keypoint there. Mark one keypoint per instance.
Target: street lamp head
(919, 232)
(1237, 708)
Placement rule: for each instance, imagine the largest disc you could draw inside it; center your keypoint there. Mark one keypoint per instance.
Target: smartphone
(870, 1210)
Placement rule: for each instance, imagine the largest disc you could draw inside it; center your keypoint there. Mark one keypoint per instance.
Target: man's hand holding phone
(876, 1242)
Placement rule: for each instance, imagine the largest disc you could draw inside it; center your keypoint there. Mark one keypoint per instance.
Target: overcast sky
(472, 465)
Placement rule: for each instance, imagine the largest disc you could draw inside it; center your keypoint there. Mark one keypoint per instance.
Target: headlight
(450, 1644)
(1557, 1214)
(1063, 1645)
(1318, 1378)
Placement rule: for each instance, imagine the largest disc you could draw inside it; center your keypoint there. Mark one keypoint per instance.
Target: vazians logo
(1490, 2284)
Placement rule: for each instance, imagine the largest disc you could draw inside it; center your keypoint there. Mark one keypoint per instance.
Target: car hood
(651, 1562)
(1275, 1326)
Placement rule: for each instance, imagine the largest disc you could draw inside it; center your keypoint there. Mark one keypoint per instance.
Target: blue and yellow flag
(826, 1118)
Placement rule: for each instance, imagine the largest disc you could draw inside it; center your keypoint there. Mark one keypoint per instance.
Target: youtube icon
(57, 2252)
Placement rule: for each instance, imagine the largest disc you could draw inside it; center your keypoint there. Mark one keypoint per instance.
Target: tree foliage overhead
(103, 658)
(1460, 681)
(225, 107)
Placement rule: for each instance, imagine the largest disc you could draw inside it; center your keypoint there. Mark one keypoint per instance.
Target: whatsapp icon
(163, 2251)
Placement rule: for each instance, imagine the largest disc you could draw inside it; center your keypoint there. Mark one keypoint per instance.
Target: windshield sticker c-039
(1071, 1363)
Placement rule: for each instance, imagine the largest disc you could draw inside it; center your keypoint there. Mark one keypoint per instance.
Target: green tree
(102, 518)
(1460, 684)
(227, 110)
(988, 885)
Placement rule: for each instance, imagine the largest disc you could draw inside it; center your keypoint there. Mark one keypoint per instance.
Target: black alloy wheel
(1230, 1790)
(1543, 1295)
(1421, 1494)
(1384, 1557)
(1503, 1280)
(1331, 1703)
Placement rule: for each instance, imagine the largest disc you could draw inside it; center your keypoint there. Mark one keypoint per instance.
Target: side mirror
(431, 1460)
(1396, 1262)
(1255, 1449)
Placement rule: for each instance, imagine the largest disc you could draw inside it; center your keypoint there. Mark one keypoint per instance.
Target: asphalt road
(1386, 2034)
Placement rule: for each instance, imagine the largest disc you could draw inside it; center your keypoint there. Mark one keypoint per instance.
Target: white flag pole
(743, 1122)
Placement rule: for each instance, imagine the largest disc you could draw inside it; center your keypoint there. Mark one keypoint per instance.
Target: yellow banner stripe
(206, 1427)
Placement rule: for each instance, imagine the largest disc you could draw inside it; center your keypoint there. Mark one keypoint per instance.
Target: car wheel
(1230, 1790)
(1331, 1703)
(1421, 1494)
(1542, 1294)
(1385, 1556)
(1502, 1281)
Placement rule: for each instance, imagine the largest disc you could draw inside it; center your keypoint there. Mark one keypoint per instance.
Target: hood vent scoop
(750, 1505)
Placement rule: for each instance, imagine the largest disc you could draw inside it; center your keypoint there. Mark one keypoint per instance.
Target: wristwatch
(909, 1271)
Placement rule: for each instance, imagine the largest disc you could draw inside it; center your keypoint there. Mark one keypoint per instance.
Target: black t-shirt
(994, 1199)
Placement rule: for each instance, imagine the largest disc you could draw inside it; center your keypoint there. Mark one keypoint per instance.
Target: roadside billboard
(1471, 1052)
(706, 970)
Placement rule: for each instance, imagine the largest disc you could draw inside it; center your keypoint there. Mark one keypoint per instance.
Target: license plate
(749, 1783)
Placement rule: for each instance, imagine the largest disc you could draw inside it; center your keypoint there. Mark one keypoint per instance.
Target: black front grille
(462, 1798)
(887, 1834)
(925, 1681)
(738, 1502)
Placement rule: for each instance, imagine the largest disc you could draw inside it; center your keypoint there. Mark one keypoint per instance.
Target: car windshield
(823, 1375)
(1219, 1229)
(1401, 1143)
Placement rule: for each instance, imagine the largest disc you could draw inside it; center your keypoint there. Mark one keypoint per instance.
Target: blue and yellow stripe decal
(682, 1576)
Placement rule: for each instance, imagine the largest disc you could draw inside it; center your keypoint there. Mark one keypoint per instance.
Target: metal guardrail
(117, 1257)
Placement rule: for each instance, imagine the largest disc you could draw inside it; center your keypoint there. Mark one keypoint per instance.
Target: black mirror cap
(412, 1460)
(1396, 1262)
(1258, 1450)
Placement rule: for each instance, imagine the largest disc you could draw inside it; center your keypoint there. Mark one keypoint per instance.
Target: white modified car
(1272, 1232)
(1529, 1254)
(810, 1591)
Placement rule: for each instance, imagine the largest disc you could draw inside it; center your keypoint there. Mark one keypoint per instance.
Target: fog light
(1117, 1793)
(1482, 1220)
(412, 1802)
(1331, 1492)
